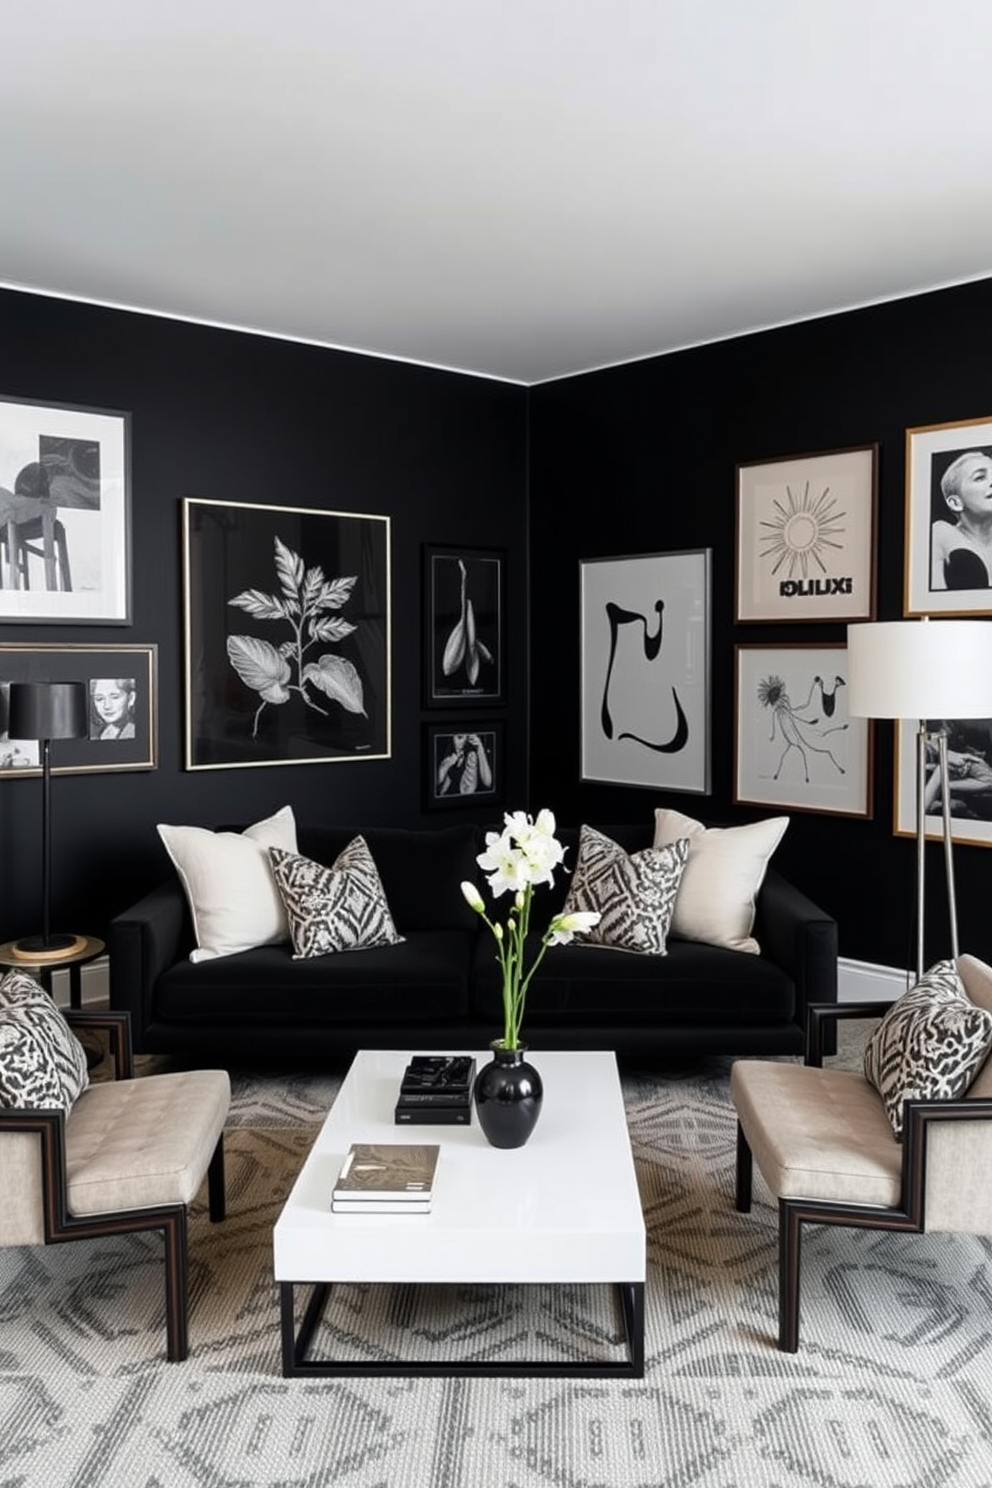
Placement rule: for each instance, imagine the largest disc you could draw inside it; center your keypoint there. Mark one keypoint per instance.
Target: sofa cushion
(341, 908)
(228, 882)
(716, 898)
(930, 1044)
(42, 1063)
(633, 893)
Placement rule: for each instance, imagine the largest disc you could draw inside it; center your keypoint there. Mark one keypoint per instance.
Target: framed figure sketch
(287, 635)
(806, 537)
(796, 745)
(463, 627)
(949, 519)
(65, 540)
(464, 764)
(645, 654)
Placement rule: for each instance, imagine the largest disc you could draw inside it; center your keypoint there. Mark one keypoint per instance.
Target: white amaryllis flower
(519, 858)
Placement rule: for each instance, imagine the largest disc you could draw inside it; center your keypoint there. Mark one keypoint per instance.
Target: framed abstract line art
(806, 537)
(795, 745)
(949, 519)
(645, 662)
(464, 765)
(969, 771)
(287, 621)
(65, 554)
(463, 627)
(122, 691)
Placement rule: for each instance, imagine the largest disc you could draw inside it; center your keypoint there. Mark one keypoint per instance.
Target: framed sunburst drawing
(806, 537)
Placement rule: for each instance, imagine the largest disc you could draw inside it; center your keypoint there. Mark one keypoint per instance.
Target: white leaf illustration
(339, 680)
(263, 606)
(260, 666)
(335, 594)
(289, 567)
(331, 628)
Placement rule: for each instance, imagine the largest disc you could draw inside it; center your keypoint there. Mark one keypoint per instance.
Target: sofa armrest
(142, 943)
(799, 937)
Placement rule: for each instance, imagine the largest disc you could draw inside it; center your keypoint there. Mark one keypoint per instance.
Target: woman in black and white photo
(112, 708)
(464, 766)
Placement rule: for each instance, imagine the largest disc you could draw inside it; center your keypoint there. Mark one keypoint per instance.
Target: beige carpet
(890, 1388)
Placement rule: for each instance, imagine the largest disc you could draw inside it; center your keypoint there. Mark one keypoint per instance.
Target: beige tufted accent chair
(825, 1148)
(130, 1155)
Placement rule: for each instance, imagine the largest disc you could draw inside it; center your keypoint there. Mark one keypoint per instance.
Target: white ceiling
(516, 188)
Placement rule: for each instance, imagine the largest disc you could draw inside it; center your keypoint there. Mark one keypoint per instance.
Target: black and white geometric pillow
(930, 1045)
(633, 892)
(42, 1063)
(341, 908)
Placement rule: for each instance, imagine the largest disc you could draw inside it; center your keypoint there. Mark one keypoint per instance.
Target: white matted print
(806, 537)
(949, 519)
(969, 769)
(796, 744)
(645, 653)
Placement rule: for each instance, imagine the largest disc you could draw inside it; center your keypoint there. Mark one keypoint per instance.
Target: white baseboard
(860, 981)
(94, 981)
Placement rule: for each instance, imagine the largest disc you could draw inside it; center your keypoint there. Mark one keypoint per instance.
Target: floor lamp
(926, 670)
(46, 711)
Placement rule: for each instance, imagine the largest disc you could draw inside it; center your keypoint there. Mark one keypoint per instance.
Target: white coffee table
(564, 1209)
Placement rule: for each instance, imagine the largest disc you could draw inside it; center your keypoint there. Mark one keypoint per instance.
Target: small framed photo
(65, 511)
(463, 763)
(287, 635)
(949, 519)
(969, 771)
(122, 691)
(796, 746)
(463, 627)
(645, 664)
(806, 537)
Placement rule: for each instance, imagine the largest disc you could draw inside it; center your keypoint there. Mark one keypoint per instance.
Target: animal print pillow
(341, 908)
(634, 893)
(930, 1045)
(42, 1063)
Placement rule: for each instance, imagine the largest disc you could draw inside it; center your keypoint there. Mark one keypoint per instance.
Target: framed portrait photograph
(949, 519)
(644, 635)
(287, 632)
(796, 747)
(463, 764)
(65, 518)
(463, 627)
(806, 537)
(121, 685)
(969, 771)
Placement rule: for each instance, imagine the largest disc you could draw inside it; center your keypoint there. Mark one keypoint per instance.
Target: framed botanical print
(287, 635)
(463, 627)
(796, 745)
(464, 764)
(806, 537)
(949, 519)
(122, 692)
(65, 512)
(645, 658)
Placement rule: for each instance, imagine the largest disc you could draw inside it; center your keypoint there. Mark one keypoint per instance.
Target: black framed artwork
(463, 627)
(122, 692)
(463, 764)
(65, 512)
(287, 627)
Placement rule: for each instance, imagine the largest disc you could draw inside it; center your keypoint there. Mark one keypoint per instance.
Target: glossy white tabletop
(563, 1208)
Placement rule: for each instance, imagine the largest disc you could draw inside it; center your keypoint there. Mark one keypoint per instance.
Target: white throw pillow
(228, 881)
(726, 865)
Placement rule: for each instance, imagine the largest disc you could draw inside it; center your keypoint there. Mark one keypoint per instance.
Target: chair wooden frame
(60, 1225)
(909, 1216)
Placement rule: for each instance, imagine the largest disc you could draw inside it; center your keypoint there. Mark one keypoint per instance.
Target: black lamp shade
(47, 710)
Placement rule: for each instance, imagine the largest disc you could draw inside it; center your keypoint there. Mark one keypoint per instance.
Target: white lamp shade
(920, 669)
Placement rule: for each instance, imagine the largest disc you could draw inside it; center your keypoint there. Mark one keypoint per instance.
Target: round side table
(42, 970)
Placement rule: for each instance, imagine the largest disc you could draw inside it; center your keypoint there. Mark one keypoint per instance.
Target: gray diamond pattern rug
(890, 1389)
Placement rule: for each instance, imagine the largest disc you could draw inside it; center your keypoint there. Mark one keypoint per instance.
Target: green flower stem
(510, 953)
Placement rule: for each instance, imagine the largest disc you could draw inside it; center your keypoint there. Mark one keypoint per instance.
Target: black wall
(234, 417)
(641, 459)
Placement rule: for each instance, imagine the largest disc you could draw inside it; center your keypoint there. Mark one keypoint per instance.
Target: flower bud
(473, 897)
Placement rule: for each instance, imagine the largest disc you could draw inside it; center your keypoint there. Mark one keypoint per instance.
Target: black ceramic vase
(508, 1097)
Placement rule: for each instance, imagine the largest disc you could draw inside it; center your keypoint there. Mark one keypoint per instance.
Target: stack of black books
(436, 1089)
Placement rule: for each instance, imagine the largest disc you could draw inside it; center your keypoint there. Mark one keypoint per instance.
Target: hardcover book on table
(401, 1172)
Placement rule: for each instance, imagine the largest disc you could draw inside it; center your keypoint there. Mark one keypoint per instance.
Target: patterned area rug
(889, 1389)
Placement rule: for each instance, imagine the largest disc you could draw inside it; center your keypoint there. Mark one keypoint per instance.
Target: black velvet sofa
(440, 988)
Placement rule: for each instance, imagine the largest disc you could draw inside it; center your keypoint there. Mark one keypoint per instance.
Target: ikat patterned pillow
(633, 892)
(42, 1063)
(341, 908)
(930, 1045)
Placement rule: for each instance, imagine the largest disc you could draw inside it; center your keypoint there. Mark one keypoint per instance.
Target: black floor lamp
(46, 711)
